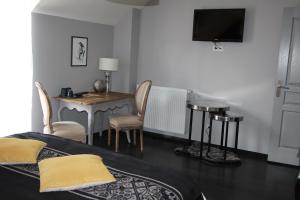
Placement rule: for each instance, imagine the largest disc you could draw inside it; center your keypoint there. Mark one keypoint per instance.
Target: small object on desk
(70, 93)
(99, 86)
(79, 94)
(64, 92)
(76, 95)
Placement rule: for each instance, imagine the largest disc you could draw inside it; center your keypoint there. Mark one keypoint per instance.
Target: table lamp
(108, 65)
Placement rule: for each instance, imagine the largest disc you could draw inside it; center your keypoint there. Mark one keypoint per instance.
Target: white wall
(51, 60)
(243, 75)
(121, 50)
(126, 43)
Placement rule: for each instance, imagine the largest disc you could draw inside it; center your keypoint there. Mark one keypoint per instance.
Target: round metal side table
(225, 118)
(204, 106)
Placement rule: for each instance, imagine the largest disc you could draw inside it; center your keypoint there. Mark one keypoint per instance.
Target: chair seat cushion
(123, 121)
(70, 130)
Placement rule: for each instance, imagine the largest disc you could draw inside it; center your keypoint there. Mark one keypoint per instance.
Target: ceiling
(137, 2)
(97, 11)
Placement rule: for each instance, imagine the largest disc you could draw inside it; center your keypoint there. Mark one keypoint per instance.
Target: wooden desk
(95, 102)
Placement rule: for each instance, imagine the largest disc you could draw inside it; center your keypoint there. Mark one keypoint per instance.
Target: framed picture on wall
(79, 51)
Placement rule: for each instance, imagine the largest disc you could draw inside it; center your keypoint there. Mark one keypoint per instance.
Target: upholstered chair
(66, 129)
(132, 121)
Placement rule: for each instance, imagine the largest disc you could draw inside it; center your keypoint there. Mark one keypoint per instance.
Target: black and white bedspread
(136, 179)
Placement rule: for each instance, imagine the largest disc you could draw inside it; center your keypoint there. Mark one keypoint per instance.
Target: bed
(136, 179)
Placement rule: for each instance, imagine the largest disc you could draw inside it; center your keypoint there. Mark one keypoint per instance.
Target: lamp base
(107, 82)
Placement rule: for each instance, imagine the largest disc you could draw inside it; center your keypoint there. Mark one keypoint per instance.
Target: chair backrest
(46, 107)
(141, 97)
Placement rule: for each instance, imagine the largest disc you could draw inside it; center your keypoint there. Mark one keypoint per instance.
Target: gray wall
(51, 60)
(126, 43)
(243, 75)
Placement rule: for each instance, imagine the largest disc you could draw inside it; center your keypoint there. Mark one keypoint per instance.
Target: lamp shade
(108, 64)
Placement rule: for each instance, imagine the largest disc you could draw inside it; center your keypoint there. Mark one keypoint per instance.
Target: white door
(285, 136)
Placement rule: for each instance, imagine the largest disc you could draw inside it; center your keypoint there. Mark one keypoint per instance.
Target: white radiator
(166, 110)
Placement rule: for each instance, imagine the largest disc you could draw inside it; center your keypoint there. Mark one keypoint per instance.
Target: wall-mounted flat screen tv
(219, 25)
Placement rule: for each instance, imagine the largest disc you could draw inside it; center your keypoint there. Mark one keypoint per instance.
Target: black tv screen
(219, 25)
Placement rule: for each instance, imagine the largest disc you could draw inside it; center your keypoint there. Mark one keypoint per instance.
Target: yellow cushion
(73, 172)
(19, 151)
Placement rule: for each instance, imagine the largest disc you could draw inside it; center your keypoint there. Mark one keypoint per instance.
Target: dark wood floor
(254, 179)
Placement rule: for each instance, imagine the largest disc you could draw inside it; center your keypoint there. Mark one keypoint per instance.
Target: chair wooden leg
(109, 136)
(134, 136)
(141, 139)
(117, 139)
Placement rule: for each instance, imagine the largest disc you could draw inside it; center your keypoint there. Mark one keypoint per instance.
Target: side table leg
(202, 134)
(90, 127)
(236, 136)
(191, 127)
(209, 137)
(226, 139)
(222, 135)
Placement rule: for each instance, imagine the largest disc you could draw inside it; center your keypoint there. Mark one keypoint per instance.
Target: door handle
(283, 87)
(279, 86)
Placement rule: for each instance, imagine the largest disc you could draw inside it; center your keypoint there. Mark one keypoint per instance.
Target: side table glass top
(207, 105)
